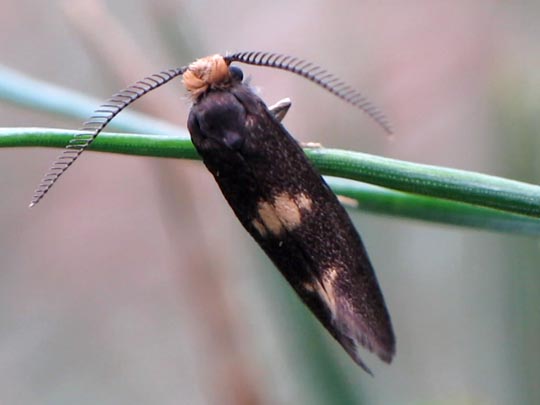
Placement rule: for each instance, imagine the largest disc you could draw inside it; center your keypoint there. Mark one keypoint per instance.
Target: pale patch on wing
(283, 213)
(304, 201)
(258, 225)
(310, 287)
(326, 289)
(270, 219)
(348, 324)
(287, 211)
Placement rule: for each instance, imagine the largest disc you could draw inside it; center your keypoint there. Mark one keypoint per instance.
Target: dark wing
(294, 216)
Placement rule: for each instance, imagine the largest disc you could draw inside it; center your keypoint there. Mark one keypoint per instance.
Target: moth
(274, 190)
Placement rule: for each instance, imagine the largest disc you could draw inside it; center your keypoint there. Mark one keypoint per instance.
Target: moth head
(209, 72)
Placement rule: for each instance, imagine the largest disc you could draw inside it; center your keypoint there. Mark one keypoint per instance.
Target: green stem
(457, 185)
(512, 199)
(399, 204)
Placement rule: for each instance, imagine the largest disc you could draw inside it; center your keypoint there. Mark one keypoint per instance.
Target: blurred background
(132, 282)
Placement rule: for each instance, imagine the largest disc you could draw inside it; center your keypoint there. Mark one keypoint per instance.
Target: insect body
(281, 200)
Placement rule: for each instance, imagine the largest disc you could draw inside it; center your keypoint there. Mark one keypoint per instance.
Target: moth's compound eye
(236, 73)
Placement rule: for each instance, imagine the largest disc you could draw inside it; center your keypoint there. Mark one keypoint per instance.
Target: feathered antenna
(315, 74)
(106, 112)
(99, 120)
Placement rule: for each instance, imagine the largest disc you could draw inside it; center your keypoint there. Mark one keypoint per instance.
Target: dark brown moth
(273, 189)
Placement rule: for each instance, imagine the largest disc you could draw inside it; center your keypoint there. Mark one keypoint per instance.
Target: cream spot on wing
(326, 288)
(259, 227)
(310, 287)
(304, 201)
(269, 217)
(287, 210)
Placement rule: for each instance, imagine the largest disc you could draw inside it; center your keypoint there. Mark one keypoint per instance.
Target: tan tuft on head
(205, 72)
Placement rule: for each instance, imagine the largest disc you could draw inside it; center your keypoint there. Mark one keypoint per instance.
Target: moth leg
(280, 109)
(311, 145)
(347, 201)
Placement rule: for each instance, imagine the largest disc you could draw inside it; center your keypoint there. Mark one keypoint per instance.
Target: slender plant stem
(457, 185)
(512, 199)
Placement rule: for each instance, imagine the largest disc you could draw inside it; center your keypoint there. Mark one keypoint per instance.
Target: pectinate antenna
(97, 122)
(317, 75)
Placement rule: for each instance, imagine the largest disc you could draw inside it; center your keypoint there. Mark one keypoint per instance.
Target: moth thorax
(205, 72)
